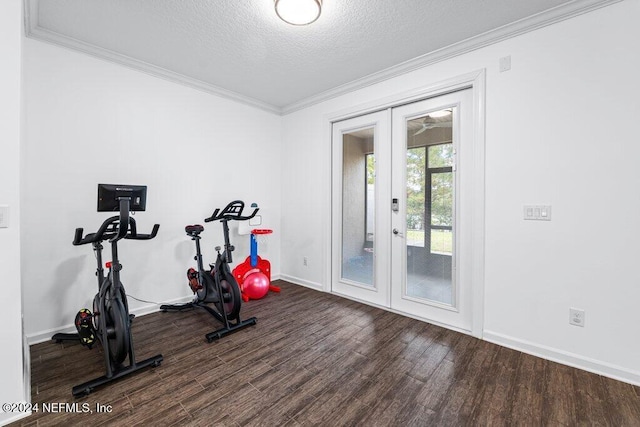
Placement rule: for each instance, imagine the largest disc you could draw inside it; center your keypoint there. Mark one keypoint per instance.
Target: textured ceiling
(240, 47)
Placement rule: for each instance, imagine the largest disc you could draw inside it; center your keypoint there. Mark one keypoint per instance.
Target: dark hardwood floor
(317, 359)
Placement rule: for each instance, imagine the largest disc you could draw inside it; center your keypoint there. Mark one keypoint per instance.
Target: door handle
(397, 232)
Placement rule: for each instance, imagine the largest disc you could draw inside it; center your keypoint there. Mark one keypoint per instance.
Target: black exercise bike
(217, 286)
(110, 321)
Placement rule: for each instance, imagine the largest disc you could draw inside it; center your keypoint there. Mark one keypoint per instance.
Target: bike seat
(194, 230)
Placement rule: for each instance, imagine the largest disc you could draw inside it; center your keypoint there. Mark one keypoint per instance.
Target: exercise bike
(217, 286)
(110, 322)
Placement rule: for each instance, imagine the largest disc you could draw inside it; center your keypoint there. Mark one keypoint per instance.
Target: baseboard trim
(564, 357)
(302, 282)
(14, 418)
(43, 336)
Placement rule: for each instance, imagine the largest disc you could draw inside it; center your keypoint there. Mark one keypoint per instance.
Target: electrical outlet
(576, 317)
(305, 261)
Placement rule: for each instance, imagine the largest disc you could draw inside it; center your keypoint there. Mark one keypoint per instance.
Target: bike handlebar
(233, 211)
(139, 236)
(111, 230)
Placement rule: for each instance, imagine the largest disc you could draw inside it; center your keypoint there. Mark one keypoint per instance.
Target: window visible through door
(430, 207)
(370, 191)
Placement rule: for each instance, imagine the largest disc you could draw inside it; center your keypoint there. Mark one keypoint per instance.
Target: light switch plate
(537, 212)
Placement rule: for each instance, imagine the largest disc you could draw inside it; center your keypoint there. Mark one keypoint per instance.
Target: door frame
(476, 82)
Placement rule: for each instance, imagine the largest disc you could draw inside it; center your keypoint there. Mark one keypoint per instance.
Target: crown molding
(534, 22)
(33, 30)
(531, 23)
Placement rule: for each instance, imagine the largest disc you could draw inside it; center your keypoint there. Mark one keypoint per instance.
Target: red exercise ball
(255, 285)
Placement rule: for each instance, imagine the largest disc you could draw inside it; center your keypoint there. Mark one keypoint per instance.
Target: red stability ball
(255, 284)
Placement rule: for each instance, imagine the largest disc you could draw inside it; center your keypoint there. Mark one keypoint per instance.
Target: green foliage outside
(439, 156)
(441, 240)
(418, 173)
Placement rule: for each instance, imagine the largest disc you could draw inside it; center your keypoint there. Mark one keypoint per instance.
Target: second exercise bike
(216, 290)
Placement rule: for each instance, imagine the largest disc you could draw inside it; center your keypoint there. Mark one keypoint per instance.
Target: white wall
(561, 129)
(11, 359)
(88, 122)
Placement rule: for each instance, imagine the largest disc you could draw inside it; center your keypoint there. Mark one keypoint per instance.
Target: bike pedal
(194, 284)
(85, 329)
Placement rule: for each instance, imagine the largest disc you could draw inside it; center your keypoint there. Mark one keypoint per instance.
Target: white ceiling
(240, 49)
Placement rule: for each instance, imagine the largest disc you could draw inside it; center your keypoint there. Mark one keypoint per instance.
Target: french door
(402, 218)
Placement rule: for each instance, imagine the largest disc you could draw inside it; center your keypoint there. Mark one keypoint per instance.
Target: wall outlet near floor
(576, 317)
(305, 261)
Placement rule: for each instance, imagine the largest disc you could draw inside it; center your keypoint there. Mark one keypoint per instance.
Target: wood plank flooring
(317, 359)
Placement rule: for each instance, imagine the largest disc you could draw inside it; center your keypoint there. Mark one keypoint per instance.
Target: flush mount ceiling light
(298, 12)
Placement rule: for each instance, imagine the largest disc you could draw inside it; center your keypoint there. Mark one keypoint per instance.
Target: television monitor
(109, 196)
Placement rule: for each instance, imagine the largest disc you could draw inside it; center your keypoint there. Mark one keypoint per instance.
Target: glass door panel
(429, 182)
(358, 201)
(361, 208)
(430, 197)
